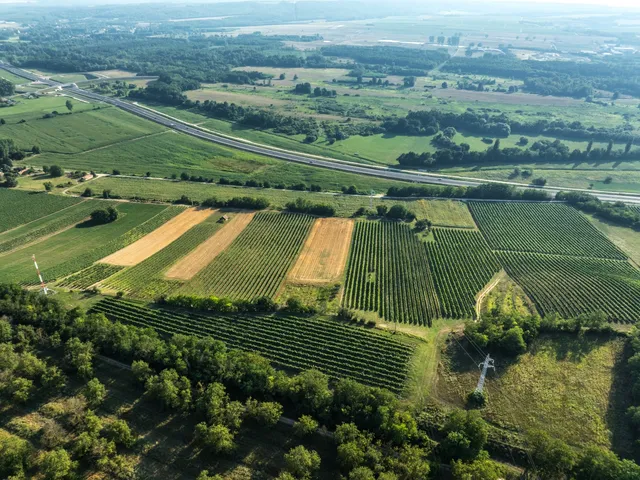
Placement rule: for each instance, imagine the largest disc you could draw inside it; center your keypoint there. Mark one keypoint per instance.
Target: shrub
(304, 206)
(103, 216)
(476, 399)
(305, 426)
(398, 212)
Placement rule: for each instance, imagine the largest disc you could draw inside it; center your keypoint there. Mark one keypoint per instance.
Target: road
(289, 156)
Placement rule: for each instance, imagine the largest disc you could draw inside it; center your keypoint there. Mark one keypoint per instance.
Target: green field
(461, 264)
(19, 208)
(442, 212)
(13, 78)
(569, 386)
(626, 239)
(46, 225)
(388, 273)
(82, 131)
(541, 227)
(35, 108)
(571, 286)
(77, 248)
(89, 276)
(146, 279)
(103, 138)
(295, 343)
(257, 261)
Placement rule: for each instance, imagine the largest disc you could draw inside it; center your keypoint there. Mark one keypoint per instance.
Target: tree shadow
(573, 347)
(88, 224)
(620, 399)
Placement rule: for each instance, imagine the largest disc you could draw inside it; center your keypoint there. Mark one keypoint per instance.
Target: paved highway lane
(323, 162)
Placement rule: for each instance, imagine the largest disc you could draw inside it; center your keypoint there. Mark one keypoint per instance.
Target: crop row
(552, 228)
(89, 276)
(18, 207)
(85, 260)
(571, 286)
(145, 280)
(462, 264)
(388, 273)
(257, 261)
(46, 226)
(297, 343)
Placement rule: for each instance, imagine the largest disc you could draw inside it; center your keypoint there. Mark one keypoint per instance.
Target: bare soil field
(204, 254)
(324, 254)
(158, 239)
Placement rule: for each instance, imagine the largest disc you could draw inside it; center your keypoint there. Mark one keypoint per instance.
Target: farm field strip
(388, 273)
(87, 129)
(551, 228)
(298, 343)
(571, 286)
(77, 248)
(83, 261)
(19, 208)
(208, 250)
(461, 264)
(257, 261)
(444, 213)
(89, 276)
(42, 227)
(158, 239)
(146, 280)
(324, 255)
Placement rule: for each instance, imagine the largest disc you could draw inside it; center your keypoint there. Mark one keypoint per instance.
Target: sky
(609, 3)
(631, 4)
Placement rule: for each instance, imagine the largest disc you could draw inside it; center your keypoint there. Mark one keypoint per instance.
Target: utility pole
(488, 363)
(45, 290)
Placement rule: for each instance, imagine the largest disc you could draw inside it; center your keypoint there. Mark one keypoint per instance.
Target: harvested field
(158, 239)
(202, 256)
(324, 255)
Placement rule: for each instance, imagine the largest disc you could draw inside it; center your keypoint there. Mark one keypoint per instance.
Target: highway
(289, 156)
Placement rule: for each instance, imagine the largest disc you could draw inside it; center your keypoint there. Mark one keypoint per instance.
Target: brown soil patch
(204, 254)
(325, 252)
(158, 239)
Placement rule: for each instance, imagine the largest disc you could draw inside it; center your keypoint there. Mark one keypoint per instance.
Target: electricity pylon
(488, 363)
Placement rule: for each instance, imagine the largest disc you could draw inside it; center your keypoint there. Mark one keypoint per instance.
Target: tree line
(574, 79)
(616, 212)
(430, 122)
(449, 153)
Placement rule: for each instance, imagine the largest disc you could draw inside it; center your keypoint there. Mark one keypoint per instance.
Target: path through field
(159, 238)
(202, 256)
